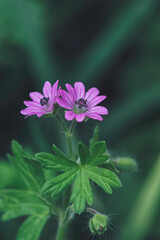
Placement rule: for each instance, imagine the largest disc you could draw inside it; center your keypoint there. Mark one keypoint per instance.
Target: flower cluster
(79, 103)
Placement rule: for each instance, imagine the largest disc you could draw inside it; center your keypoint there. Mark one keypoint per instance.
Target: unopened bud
(98, 223)
(126, 164)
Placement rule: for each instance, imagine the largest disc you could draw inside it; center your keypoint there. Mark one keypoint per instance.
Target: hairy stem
(62, 229)
(69, 143)
(62, 123)
(69, 135)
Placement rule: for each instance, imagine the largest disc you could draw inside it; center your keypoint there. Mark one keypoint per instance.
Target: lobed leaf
(98, 148)
(32, 227)
(56, 185)
(20, 195)
(95, 137)
(30, 171)
(103, 177)
(51, 161)
(96, 156)
(23, 209)
(15, 203)
(81, 192)
(84, 153)
(59, 153)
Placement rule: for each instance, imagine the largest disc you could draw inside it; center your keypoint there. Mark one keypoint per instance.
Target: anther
(44, 101)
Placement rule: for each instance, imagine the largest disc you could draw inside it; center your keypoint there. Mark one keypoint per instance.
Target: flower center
(80, 106)
(44, 101)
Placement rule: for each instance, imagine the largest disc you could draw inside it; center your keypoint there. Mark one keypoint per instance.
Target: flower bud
(98, 223)
(126, 164)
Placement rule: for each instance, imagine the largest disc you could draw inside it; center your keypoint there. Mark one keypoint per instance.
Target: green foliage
(16, 203)
(103, 177)
(80, 173)
(57, 184)
(8, 176)
(30, 171)
(50, 161)
(81, 192)
(95, 137)
(84, 153)
(32, 227)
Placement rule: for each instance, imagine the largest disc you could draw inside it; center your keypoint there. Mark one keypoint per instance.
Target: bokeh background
(113, 45)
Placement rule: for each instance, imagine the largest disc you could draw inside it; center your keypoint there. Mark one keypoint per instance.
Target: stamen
(81, 103)
(44, 101)
(80, 106)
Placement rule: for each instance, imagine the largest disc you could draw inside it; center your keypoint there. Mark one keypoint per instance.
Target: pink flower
(42, 104)
(81, 104)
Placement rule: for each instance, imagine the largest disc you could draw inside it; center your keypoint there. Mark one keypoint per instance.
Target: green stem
(62, 229)
(63, 224)
(69, 139)
(69, 143)
(72, 126)
(62, 123)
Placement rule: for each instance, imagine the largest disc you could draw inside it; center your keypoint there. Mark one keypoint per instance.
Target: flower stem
(62, 229)
(61, 122)
(69, 142)
(72, 126)
(69, 139)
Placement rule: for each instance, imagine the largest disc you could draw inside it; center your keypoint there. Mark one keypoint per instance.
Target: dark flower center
(44, 101)
(80, 106)
(81, 103)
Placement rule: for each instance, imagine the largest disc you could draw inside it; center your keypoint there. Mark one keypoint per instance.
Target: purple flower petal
(54, 91)
(94, 116)
(71, 91)
(31, 104)
(27, 111)
(47, 89)
(79, 89)
(67, 98)
(80, 117)
(91, 93)
(41, 104)
(36, 96)
(95, 101)
(69, 115)
(63, 103)
(98, 110)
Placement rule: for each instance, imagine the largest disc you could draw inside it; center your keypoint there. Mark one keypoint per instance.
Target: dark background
(112, 45)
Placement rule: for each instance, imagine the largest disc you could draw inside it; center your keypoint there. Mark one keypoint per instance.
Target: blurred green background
(114, 46)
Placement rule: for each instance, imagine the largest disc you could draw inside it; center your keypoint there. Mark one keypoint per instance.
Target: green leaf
(51, 161)
(15, 203)
(32, 227)
(30, 171)
(111, 166)
(59, 153)
(103, 177)
(98, 154)
(56, 185)
(98, 148)
(95, 137)
(23, 209)
(83, 153)
(81, 192)
(8, 176)
(20, 195)
(98, 160)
